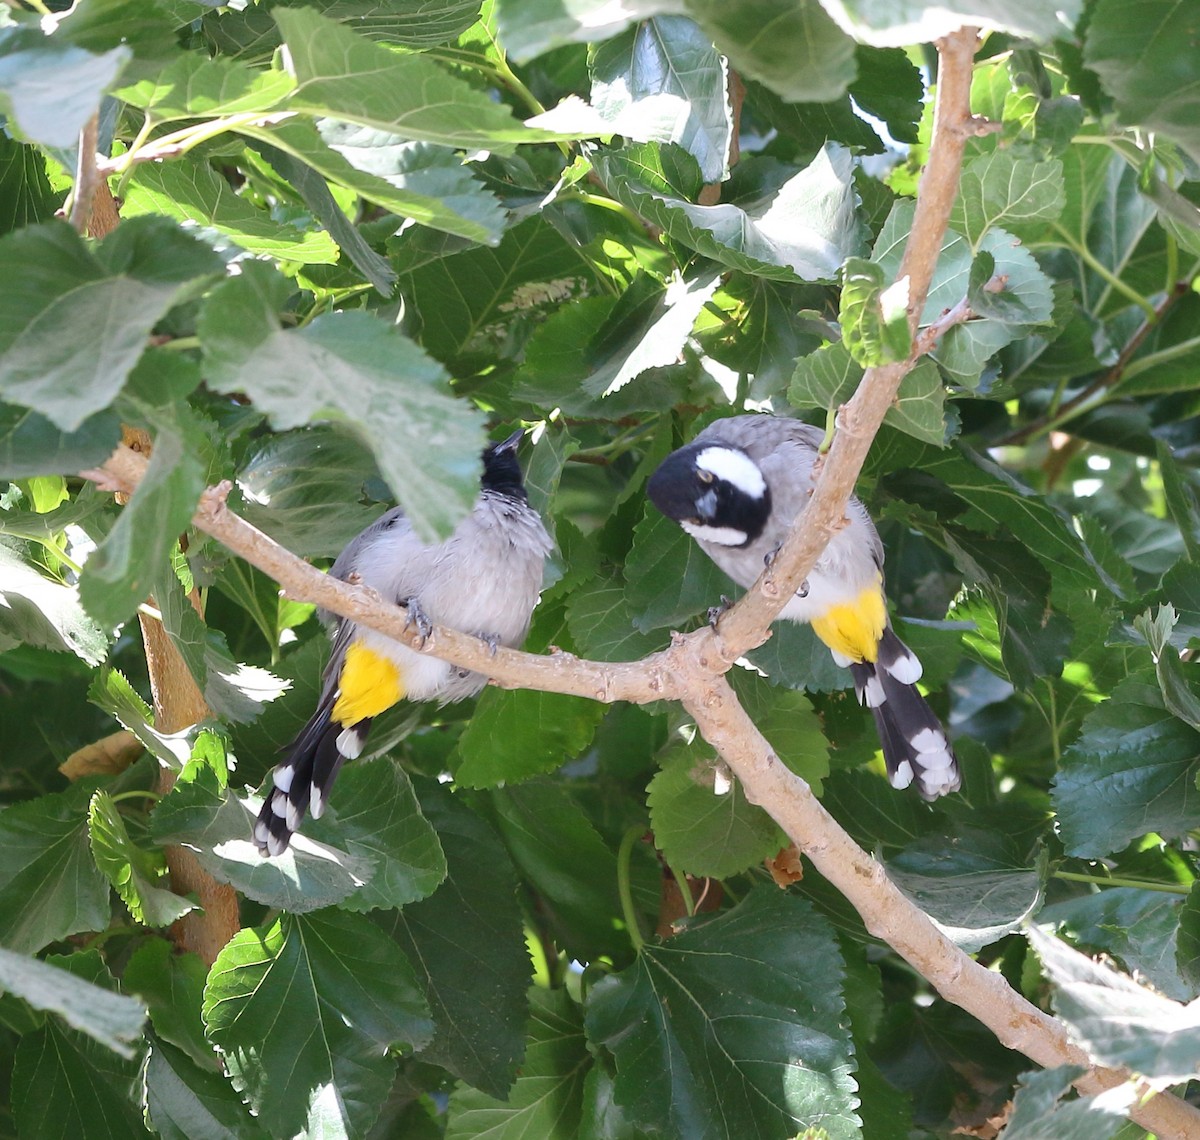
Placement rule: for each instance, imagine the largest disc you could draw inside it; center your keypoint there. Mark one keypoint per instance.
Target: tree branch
(87, 175)
(742, 627)
(692, 671)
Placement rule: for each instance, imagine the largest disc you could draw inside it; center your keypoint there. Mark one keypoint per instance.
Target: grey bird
(736, 489)
(483, 579)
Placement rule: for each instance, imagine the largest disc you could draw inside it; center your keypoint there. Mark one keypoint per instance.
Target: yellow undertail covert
(369, 684)
(853, 629)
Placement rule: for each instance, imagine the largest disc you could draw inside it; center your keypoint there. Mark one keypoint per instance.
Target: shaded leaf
(335, 994)
(49, 885)
(706, 1027)
(1132, 770)
(465, 944)
(802, 231)
(518, 733)
(109, 1018)
(1119, 1022)
(353, 367)
(545, 1099)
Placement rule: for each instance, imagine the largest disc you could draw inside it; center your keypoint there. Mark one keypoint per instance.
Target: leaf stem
(589, 199)
(624, 856)
(1106, 881)
(1098, 267)
(136, 793)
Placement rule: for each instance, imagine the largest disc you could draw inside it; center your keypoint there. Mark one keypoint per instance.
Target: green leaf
(217, 826)
(530, 27)
(793, 47)
(874, 318)
(662, 81)
(342, 75)
(965, 348)
(1136, 50)
(648, 328)
(1001, 188)
(702, 822)
(706, 1028)
(111, 1019)
(801, 231)
(794, 657)
(378, 818)
(560, 852)
(31, 445)
(466, 944)
(38, 611)
(1132, 771)
(788, 722)
(1181, 500)
(184, 1102)
(602, 624)
(121, 571)
(828, 378)
(26, 196)
(1173, 679)
(190, 190)
(1138, 927)
(1187, 944)
(1040, 1113)
(1117, 1021)
(132, 870)
(466, 301)
(372, 834)
(195, 86)
(546, 1098)
(49, 885)
(67, 1085)
(304, 1011)
(974, 895)
(34, 64)
(353, 367)
(916, 21)
(518, 733)
(414, 180)
(670, 579)
(307, 489)
(172, 985)
(56, 286)
(919, 408)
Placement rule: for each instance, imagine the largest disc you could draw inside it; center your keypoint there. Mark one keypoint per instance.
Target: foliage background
(344, 254)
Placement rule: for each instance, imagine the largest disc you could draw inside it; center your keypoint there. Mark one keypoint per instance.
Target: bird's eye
(694, 521)
(705, 476)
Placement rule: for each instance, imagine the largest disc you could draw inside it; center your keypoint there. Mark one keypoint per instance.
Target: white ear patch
(734, 467)
(721, 535)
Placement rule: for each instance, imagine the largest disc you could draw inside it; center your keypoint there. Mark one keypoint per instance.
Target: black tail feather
(915, 745)
(303, 779)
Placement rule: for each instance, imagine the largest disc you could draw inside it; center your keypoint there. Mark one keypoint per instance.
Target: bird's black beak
(509, 444)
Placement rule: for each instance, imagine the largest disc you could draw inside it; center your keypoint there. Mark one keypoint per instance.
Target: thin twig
(1106, 380)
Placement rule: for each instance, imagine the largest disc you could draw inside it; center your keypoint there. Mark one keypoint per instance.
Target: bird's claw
(715, 613)
(491, 640)
(418, 619)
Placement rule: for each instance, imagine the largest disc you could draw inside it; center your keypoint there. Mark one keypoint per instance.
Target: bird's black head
(501, 471)
(715, 491)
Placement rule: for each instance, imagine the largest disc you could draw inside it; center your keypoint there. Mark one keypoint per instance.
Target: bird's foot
(418, 619)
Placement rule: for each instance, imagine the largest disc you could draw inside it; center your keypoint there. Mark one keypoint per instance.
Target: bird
(484, 579)
(736, 489)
